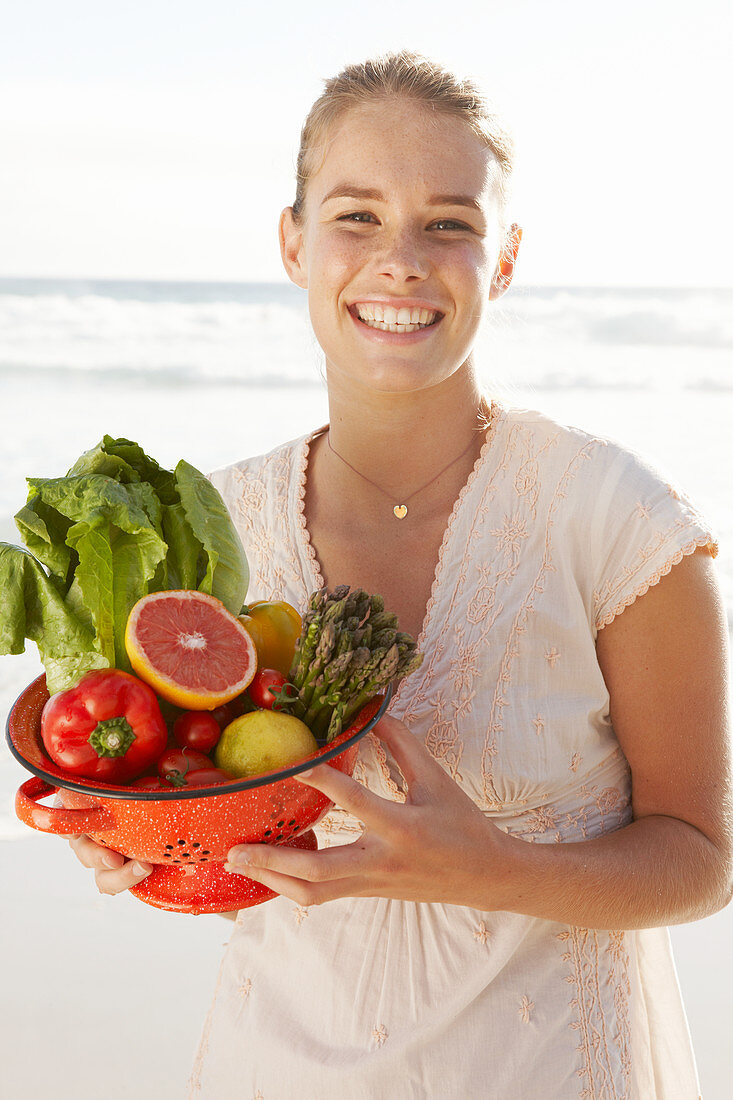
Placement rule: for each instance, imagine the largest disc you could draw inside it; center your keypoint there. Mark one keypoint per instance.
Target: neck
(400, 440)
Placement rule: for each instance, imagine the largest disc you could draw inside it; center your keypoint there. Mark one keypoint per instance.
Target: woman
(494, 881)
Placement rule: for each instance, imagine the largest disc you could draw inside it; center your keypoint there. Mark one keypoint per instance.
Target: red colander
(185, 834)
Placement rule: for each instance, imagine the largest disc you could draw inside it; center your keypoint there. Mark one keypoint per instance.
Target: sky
(157, 139)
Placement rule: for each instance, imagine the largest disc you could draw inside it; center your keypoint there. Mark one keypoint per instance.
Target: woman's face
(403, 214)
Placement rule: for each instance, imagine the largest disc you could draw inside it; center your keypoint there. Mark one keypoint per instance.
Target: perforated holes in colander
(184, 855)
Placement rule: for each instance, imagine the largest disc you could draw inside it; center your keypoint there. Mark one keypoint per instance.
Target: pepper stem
(112, 737)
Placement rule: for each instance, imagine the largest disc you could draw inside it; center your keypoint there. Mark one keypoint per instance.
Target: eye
(451, 224)
(358, 217)
(357, 214)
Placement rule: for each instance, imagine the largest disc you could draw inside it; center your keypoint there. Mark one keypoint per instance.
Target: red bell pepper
(109, 727)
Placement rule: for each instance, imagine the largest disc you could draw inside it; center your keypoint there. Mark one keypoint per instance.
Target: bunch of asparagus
(349, 649)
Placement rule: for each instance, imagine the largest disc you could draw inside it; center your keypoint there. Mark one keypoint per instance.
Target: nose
(402, 256)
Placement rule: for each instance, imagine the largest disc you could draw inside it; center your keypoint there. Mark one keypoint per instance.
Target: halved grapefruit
(189, 648)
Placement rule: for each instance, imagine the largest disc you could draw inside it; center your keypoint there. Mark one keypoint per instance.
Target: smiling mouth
(393, 327)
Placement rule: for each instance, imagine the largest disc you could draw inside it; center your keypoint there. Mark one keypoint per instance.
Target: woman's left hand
(436, 846)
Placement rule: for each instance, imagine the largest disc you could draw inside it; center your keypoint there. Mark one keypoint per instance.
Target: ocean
(216, 371)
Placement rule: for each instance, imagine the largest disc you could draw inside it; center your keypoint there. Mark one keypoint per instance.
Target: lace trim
(642, 589)
(300, 506)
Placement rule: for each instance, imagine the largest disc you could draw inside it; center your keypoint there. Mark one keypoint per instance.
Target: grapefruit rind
(169, 688)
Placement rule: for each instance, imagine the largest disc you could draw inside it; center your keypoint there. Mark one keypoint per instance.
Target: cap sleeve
(643, 526)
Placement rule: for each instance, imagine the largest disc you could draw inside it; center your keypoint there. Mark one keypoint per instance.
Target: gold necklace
(400, 510)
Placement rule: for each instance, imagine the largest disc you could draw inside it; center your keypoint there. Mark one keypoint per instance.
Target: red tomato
(109, 727)
(224, 714)
(260, 691)
(175, 764)
(150, 783)
(207, 777)
(197, 729)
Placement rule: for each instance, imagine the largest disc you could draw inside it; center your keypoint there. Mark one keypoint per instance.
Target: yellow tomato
(274, 627)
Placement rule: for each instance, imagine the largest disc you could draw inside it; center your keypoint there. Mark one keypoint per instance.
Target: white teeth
(394, 328)
(405, 319)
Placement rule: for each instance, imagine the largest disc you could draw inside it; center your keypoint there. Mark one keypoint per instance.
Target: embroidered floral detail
(380, 1034)
(482, 604)
(611, 808)
(245, 988)
(540, 820)
(643, 510)
(576, 761)
(602, 1011)
(464, 666)
(510, 536)
(525, 1009)
(551, 656)
(258, 1096)
(300, 913)
(481, 932)
(539, 724)
(442, 738)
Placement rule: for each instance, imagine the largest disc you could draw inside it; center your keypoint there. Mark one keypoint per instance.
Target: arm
(665, 663)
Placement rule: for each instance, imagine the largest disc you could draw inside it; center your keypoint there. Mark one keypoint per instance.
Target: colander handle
(52, 819)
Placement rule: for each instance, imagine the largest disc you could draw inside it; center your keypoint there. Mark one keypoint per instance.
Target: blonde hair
(411, 76)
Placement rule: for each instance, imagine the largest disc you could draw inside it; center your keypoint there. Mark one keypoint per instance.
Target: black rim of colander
(131, 794)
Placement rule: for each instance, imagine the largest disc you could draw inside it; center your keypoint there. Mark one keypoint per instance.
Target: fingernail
(238, 858)
(110, 861)
(141, 868)
(305, 774)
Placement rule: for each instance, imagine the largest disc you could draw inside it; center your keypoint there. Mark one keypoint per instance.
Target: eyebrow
(351, 191)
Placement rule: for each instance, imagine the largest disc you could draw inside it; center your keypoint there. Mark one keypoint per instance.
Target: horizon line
(518, 286)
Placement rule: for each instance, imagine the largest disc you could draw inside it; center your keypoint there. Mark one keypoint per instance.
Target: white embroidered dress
(554, 534)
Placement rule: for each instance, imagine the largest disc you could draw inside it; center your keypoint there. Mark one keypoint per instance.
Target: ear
(291, 248)
(507, 260)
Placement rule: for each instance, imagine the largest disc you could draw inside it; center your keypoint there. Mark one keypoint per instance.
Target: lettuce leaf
(33, 608)
(226, 573)
(117, 527)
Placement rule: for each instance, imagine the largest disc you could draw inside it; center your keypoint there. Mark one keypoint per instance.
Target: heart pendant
(400, 510)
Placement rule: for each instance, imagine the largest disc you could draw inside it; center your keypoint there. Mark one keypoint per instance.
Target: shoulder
(594, 459)
(254, 478)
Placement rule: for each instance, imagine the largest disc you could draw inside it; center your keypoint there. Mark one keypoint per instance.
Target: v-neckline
(497, 415)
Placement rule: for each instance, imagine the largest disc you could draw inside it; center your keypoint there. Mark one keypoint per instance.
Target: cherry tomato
(206, 777)
(150, 783)
(274, 627)
(224, 714)
(175, 764)
(197, 729)
(259, 690)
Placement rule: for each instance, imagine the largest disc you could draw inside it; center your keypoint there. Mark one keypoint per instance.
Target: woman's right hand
(113, 873)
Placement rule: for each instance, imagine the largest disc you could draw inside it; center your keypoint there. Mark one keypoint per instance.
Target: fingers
(114, 882)
(415, 762)
(113, 873)
(373, 811)
(300, 890)
(319, 866)
(91, 854)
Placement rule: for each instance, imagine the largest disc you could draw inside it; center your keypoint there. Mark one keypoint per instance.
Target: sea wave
(260, 334)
